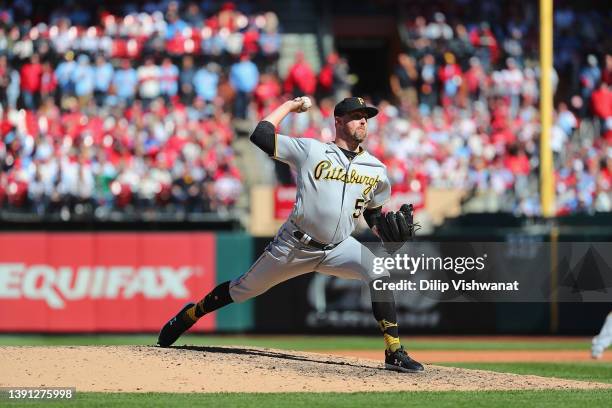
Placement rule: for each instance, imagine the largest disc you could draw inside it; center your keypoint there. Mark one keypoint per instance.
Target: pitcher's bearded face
(354, 125)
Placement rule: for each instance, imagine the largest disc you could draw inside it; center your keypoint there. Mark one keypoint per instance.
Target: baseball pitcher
(336, 183)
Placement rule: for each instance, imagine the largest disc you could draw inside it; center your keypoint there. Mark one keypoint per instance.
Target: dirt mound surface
(238, 369)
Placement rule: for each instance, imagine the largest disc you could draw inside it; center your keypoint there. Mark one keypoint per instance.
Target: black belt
(306, 240)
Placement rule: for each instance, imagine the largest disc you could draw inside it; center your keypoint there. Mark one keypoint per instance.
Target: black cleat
(399, 360)
(176, 326)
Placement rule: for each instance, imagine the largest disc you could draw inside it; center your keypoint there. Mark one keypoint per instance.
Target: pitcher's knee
(240, 291)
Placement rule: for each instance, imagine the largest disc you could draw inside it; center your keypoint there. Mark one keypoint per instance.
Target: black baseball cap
(348, 105)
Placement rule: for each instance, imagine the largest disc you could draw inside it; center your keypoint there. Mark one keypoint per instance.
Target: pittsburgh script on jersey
(325, 171)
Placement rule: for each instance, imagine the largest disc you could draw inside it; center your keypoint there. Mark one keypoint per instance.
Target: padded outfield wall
(134, 278)
(116, 281)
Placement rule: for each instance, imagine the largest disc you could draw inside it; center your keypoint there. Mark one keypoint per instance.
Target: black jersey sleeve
(263, 137)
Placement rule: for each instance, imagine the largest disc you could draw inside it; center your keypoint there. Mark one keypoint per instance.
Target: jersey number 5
(359, 206)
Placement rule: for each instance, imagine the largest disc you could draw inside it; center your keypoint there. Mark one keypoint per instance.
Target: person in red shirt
(301, 79)
(250, 41)
(516, 160)
(48, 81)
(326, 76)
(450, 76)
(475, 78)
(30, 75)
(601, 101)
(266, 94)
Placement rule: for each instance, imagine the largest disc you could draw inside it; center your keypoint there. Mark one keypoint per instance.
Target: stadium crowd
(132, 108)
(129, 112)
(465, 108)
(476, 78)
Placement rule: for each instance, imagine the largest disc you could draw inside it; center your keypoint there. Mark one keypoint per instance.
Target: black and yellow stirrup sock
(216, 299)
(383, 307)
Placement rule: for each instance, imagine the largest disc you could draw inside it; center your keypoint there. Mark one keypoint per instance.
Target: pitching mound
(238, 369)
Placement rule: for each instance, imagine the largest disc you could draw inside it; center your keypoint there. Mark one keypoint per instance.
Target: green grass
(519, 399)
(297, 342)
(599, 371)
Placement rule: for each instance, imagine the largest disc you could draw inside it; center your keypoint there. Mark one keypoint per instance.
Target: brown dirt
(238, 369)
(480, 356)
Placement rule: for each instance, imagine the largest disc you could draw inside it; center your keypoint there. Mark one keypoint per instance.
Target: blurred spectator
(244, 76)
(186, 79)
(14, 86)
(168, 79)
(148, 81)
(125, 81)
(438, 29)
(64, 72)
(513, 47)
(214, 42)
(206, 82)
(84, 80)
(300, 80)
(4, 42)
(266, 94)
(475, 79)
(48, 81)
(602, 108)
(30, 76)
(512, 80)
(429, 89)
(250, 41)
(607, 73)
(566, 120)
(590, 76)
(486, 45)
(175, 25)
(404, 80)
(193, 16)
(269, 39)
(326, 76)
(103, 72)
(450, 79)
(63, 37)
(5, 80)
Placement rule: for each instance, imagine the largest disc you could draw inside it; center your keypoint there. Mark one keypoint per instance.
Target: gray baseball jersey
(332, 192)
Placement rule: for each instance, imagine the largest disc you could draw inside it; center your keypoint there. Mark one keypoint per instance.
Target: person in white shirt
(148, 81)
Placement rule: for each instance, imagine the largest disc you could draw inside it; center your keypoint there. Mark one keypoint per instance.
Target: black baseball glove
(397, 227)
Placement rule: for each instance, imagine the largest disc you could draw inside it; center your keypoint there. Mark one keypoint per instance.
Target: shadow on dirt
(272, 354)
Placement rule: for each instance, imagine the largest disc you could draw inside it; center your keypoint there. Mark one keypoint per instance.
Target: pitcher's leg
(250, 284)
(352, 260)
(268, 271)
(191, 313)
(281, 261)
(215, 299)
